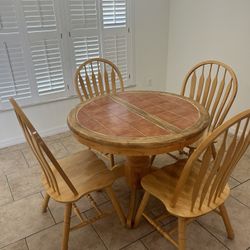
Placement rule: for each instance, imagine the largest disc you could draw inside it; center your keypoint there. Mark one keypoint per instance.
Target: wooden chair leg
(45, 203)
(66, 225)
(152, 158)
(225, 217)
(112, 160)
(181, 233)
(116, 205)
(141, 208)
(191, 150)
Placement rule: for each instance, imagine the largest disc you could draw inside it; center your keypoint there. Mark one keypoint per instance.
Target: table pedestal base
(135, 168)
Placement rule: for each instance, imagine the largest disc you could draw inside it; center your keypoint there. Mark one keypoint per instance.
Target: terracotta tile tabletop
(136, 117)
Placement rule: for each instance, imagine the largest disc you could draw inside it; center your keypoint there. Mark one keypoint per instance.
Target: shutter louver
(115, 50)
(84, 48)
(13, 74)
(8, 19)
(47, 63)
(84, 29)
(83, 14)
(114, 13)
(39, 15)
(45, 46)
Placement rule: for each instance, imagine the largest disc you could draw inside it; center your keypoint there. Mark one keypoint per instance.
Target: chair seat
(161, 184)
(86, 172)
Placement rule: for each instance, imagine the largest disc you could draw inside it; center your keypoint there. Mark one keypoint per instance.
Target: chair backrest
(44, 156)
(211, 175)
(97, 76)
(214, 85)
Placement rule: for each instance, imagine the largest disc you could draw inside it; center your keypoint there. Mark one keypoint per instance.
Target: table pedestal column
(135, 168)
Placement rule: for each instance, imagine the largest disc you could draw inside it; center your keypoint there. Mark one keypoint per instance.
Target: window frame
(67, 54)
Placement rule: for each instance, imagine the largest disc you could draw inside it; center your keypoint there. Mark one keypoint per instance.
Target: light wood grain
(68, 180)
(95, 77)
(214, 85)
(139, 146)
(138, 149)
(193, 187)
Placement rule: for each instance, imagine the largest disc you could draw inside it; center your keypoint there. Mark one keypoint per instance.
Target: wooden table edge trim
(138, 145)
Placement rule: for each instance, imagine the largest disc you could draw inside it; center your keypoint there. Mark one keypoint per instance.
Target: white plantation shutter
(8, 18)
(14, 79)
(39, 15)
(83, 14)
(115, 49)
(100, 29)
(84, 48)
(116, 37)
(114, 13)
(13, 73)
(84, 30)
(43, 41)
(47, 63)
(44, 36)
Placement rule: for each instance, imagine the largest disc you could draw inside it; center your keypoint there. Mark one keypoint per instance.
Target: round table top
(138, 122)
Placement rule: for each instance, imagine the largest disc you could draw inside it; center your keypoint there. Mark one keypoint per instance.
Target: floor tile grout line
(240, 184)
(240, 202)
(25, 157)
(48, 208)
(26, 196)
(26, 243)
(143, 244)
(46, 228)
(234, 178)
(92, 226)
(129, 244)
(214, 236)
(244, 181)
(64, 147)
(6, 177)
(27, 236)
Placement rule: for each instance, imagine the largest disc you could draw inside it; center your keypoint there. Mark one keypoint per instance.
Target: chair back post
(211, 177)
(97, 76)
(41, 151)
(214, 85)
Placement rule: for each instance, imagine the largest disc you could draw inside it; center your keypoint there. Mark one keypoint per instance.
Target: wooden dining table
(138, 124)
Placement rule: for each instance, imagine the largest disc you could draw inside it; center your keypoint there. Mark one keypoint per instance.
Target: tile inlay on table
(138, 114)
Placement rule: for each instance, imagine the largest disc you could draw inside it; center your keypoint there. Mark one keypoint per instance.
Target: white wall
(200, 30)
(151, 35)
(150, 57)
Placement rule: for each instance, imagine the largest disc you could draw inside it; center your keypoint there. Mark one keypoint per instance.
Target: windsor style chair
(194, 187)
(69, 179)
(95, 77)
(214, 85)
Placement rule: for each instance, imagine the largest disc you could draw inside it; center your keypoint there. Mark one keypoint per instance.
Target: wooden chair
(69, 179)
(214, 85)
(95, 77)
(194, 187)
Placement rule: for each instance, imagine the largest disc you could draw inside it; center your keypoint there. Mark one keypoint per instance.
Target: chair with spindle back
(69, 179)
(214, 85)
(95, 77)
(194, 187)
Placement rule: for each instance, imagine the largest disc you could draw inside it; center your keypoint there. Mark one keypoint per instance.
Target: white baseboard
(17, 140)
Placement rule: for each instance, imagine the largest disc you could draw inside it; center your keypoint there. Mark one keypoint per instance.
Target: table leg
(135, 168)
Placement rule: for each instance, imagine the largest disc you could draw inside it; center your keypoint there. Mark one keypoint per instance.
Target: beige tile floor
(24, 227)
